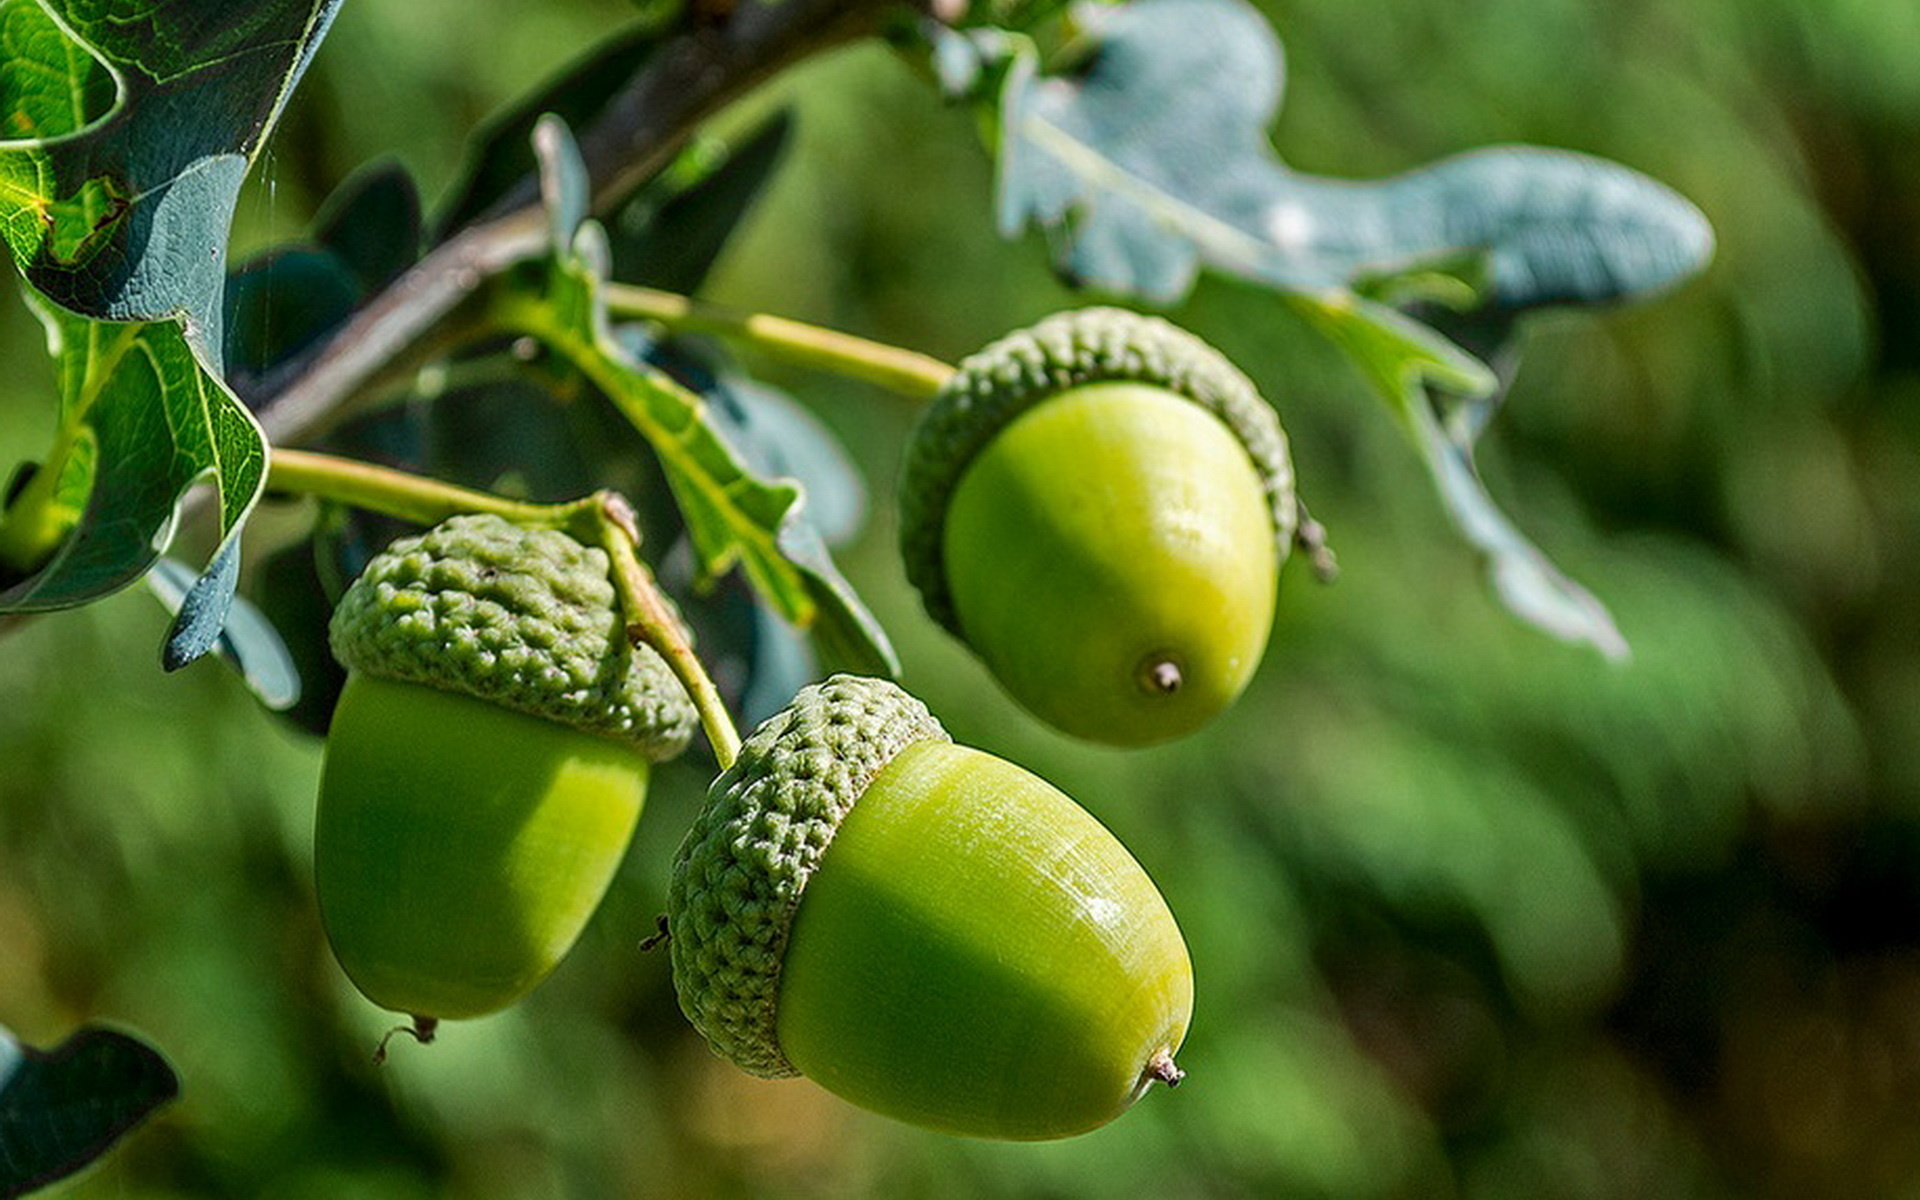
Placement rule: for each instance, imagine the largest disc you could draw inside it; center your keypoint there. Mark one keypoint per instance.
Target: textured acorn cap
(743, 866)
(524, 618)
(991, 388)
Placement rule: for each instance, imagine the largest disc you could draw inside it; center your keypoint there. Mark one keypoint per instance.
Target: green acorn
(1099, 506)
(486, 764)
(924, 929)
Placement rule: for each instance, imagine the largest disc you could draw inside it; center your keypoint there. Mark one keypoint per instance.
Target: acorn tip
(1162, 1068)
(1161, 675)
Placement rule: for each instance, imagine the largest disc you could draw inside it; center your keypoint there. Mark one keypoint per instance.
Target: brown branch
(699, 72)
(298, 401)
(694, 74)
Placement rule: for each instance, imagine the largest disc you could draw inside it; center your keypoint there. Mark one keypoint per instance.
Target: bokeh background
(1473, 913)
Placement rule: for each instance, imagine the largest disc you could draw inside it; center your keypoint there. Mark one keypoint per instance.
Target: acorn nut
(1099, 506)
(486, 764)
(924, 929)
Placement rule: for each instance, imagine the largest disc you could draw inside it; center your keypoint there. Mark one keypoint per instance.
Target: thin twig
(652, 621)
(300, 400)
(417, 498)
(905, 373)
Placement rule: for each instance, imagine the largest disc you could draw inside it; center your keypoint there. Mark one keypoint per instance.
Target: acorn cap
(991, 388)
(523, 618)
(743, 866)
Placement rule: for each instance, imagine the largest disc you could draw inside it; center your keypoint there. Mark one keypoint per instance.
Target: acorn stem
(652, 621)
(903, 372)
(422, 1030)
(1311, 537)
(1161, 676)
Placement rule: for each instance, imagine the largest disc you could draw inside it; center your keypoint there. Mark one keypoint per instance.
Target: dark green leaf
(200, 612)
(62, 1109)
(776, 436)
(373, 224)
(782, 663)
(673, 231)
(779, 439)
(502, 155)
(732, 516)
(757, 660)
(294, 597)
(784, 438)
(849, 636)
(282, 301)
(298, 585)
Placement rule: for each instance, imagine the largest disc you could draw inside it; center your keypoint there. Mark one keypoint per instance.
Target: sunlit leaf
(135, 126)
(777, 438)
(131, 131)
(143, 419)
(732, 517)
(775, 435)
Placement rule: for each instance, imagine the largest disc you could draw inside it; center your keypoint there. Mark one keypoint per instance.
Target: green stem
(653, 621)
(904, 372)
(604, 519)
(399, 494)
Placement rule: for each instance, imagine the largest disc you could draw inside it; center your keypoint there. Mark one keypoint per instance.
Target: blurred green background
(1473, 913)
